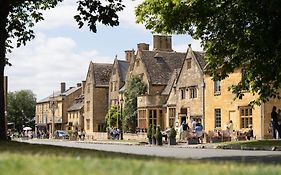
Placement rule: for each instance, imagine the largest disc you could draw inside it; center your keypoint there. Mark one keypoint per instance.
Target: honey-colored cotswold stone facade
(186, 97)
(96, 97)
(221, 103)
(62, 101)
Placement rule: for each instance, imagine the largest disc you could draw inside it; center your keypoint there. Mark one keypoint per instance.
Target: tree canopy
(111, 116)
(21, 108)
(18, 17)
(133, 88)
(234, 34)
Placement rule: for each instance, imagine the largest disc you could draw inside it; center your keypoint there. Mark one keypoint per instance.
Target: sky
(61, 52)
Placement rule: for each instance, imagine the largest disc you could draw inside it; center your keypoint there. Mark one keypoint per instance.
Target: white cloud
(45, 62)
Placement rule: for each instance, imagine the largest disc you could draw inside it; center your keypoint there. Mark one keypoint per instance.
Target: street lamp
(121, 121)
(53, 109)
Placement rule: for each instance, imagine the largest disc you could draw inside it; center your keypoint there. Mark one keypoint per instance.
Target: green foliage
(111, 117)
(234, 34)
(149, 132)
(21, 108)
(158, 135)
(134, 88)
(172, 133)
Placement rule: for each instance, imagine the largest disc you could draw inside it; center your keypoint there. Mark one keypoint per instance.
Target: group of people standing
(276, 123)
(196, 130)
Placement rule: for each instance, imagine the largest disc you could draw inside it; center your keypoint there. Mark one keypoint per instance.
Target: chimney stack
(83, 86)
(78, 84)
(143, 46)
(162, 43)
(62, 87)
(129, 55)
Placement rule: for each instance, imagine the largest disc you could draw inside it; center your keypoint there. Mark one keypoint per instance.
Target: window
(217, 118)
(192, 92)
(217, 87)
(152, 117)
(246, 116)
(182, 91)
(188, 63)
(88, 124)
(172, 116)
(142, 119)
(88, 87)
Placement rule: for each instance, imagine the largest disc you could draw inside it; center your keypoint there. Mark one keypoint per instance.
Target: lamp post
(53, 109)
(121, 121)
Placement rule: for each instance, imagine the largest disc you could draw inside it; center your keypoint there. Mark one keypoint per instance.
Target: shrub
(172, 133)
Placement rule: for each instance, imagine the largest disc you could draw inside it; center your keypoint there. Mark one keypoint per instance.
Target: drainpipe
(203, 103)
(262, 121)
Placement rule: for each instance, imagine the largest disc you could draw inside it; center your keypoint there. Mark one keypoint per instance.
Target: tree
(111, 117)
(134, 87)
(17, 17)
(235, 34)
(21, 108)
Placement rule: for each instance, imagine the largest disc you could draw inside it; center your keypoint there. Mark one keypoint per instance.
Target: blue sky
(61, 52)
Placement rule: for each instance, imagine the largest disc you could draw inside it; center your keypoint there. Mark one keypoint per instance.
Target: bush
(149, 132)
(172, 133)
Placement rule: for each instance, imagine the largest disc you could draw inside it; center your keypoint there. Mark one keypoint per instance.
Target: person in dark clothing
(274, 122)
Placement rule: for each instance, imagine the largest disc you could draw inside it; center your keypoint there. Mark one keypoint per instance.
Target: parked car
(61, 134)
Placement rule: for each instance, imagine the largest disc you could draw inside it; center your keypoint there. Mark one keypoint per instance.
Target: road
(172, 151)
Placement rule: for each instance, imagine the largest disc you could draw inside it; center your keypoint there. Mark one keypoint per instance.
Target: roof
(77, 104)
(161, 64)
(101, 73)
(171, 81)
(123, 67)
(200, 58)
(58, 93)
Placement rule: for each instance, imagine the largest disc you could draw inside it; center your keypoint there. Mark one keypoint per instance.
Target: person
(230, 127)
(250, 133)
(83, 134)
(274, 122)
(279, 123)
(193, 125)
(185, 127)
(199, 132)
(79, 134)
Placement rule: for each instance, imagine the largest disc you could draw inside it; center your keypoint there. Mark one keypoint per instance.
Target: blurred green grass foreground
(27, 159)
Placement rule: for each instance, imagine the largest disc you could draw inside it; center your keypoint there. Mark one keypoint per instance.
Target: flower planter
(172, 141)
(191, 141)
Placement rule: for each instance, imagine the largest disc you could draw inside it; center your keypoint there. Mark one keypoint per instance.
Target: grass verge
(253, 145)
(23, 158)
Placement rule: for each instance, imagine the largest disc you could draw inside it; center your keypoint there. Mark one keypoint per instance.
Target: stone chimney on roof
(162, 43)
(143, 46)
(62, 87)
(79, 84)
(83, 86)
(129, 54)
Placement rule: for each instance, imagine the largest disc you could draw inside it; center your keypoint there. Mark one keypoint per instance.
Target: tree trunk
(4, 11)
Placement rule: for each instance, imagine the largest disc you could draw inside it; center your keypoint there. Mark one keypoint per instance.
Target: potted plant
(172, 133)
(158, 136)
(149, 134)
(153, 131)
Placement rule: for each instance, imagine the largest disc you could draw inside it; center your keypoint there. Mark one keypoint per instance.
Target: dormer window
(192, 92)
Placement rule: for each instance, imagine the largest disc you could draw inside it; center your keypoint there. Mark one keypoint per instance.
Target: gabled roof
(171, 82)
(199, 56)
(77, 104)
(101, 73)
(123, 67)
(58, 93)
(160, 65)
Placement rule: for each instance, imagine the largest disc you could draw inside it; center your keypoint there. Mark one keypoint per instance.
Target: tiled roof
(160, 64)
(58, 93)
(123, 67)
(101, 73)
(200, 58)
(171, 81)
(78, 104)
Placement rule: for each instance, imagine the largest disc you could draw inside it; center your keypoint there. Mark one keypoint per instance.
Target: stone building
(155, 67)
(75, 114)
(221, 108)
(53, 109)
(118, 76)
(186, 91)
(96, 97)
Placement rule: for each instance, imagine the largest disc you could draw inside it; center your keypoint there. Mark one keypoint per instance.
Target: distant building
(58, 102)
(96, 97)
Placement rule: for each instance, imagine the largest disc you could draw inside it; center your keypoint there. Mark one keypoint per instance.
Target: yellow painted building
(220, 108)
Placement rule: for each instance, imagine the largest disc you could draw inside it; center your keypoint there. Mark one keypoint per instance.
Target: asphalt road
(172, 151)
